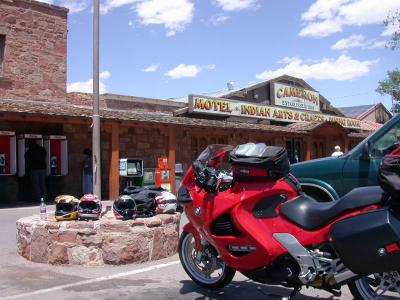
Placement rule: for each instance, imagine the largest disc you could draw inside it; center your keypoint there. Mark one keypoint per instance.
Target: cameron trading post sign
(295, 97)
(217, 106)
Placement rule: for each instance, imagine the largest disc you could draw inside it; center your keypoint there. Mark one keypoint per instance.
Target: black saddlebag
(369, 242)
(254, 161)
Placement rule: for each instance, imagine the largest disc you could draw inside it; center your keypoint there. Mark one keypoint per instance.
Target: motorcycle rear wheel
(376, 286)
(210, 272)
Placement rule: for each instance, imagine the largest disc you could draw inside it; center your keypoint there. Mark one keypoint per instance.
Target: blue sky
(164, 48)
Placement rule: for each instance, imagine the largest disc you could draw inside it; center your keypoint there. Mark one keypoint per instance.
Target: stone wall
(34, 66)
(106, 241)
(144, 143)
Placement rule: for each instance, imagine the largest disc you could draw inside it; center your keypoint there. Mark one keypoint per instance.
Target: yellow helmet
(66, 207)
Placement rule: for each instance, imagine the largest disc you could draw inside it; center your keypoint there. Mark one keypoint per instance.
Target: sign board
(30, 136)
(225, 107)
(9, 133)
(294, 97)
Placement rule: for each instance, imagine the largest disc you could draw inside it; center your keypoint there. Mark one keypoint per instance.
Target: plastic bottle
(43, 210)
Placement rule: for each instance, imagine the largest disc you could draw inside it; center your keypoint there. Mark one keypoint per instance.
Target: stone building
(284, 111)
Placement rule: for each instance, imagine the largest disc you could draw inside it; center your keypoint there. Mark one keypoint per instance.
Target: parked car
(330, 178)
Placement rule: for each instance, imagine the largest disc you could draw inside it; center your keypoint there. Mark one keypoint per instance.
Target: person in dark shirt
(35, 161)
(87, 172)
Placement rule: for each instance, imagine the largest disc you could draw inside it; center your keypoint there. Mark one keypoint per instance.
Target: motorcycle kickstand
(294, 293)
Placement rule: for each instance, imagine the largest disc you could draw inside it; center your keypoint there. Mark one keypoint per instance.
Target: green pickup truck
(330, 178)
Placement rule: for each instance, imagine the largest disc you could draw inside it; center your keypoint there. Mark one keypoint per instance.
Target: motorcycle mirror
(198, 167)
(366, 152)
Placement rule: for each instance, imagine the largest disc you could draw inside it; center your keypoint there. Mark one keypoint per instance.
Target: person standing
(337, 151)
(35, 161)
(87, 172)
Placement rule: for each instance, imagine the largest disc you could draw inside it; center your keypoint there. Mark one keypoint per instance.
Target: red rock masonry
(107, 241)
(35, 53)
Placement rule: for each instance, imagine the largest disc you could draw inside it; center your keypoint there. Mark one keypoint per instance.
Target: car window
(382, 145)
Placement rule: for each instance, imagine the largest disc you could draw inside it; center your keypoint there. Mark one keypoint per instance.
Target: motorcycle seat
(310, 214)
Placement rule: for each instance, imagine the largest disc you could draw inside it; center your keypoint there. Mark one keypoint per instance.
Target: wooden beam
(171, 156)
(113, 178)
(43, 119)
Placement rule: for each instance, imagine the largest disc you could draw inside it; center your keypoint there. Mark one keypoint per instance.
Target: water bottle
(43, 210)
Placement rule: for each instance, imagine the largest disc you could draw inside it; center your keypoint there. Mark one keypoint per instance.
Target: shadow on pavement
(248, 290)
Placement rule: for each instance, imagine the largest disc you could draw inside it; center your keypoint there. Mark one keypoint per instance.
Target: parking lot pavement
(164, 279)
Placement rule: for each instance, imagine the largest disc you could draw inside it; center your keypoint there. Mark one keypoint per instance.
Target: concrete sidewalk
(163, 279)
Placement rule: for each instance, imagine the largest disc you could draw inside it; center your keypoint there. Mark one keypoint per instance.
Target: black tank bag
(251, 162)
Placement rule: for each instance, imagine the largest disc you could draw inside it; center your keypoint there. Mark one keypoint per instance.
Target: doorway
(295, 149)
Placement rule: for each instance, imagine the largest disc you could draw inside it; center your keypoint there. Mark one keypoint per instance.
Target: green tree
(391, 86)
(393, 21)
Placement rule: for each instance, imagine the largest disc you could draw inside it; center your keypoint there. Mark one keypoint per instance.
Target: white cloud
(343, 68)
(174, 15)
(390, 29)
(217, 19)
(183, 71)
(87, 86)
(75, 6)
(321, 29)
(287, 59)
(234, 5)
(325, 17)
(105, 75)
(211, 67)
(377, 44)
(110, 4)
(151, 68)
(47, 1)
(357, 41)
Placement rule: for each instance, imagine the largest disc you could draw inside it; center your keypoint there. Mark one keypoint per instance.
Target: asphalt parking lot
(164, 279)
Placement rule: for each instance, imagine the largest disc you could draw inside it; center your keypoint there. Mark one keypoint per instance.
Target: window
(382, 145)
(2, 46)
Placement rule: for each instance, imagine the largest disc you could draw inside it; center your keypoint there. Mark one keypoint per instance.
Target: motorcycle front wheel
(377, 286)
(204, 267)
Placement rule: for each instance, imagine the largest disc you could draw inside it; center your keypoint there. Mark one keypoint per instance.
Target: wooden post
(307, 143)
(171, 156)
(346, 144)
(113, 178)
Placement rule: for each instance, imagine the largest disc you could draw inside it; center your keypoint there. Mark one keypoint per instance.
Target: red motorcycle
(248, 214)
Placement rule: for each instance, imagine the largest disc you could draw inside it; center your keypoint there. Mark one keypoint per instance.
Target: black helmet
(124, 207)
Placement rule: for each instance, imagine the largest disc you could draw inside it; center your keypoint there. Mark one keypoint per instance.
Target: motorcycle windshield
(213, 153)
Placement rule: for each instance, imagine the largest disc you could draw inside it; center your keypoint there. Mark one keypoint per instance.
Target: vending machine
(23, 145)
(163, 174)
(8, 153)
(57, 155)
(129, 167)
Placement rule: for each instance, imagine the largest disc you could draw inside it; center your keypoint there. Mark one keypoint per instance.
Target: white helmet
(165, 203)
